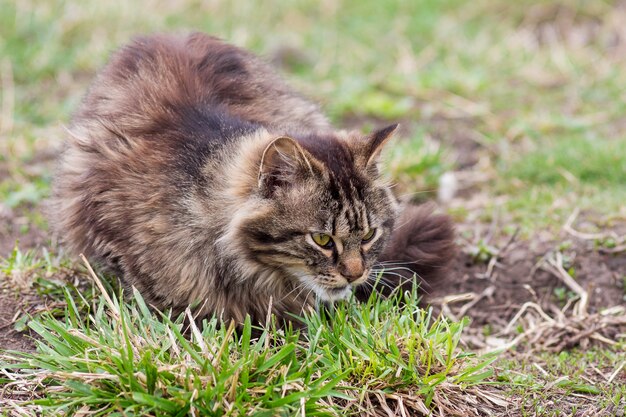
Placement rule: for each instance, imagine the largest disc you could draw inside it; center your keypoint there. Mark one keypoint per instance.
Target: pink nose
(352, 269)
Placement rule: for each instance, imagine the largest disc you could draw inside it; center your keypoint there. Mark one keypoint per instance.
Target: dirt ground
(10, 310)
(519, 276)
(493, 291)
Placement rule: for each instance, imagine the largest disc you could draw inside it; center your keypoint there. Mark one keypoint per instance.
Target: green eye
(369, 235)
(323, 240)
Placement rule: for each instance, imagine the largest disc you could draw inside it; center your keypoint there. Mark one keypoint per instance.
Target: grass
(522, 100)
(115, 357)
(534, 382)
(572, 171)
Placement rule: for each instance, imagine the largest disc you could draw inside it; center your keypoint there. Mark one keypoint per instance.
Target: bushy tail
(419, 251)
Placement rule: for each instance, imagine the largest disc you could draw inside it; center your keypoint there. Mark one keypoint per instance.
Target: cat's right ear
(376, 141)
(283, 162)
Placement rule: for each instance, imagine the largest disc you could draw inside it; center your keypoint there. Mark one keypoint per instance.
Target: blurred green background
(524, 101)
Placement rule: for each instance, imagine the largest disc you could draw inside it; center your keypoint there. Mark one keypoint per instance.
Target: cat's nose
(352, 269)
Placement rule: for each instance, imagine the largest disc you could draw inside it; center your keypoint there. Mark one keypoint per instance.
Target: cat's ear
(283, 162)
(370, 147)
(376, 142)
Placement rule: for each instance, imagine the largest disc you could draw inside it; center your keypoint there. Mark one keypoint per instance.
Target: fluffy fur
(196, 175)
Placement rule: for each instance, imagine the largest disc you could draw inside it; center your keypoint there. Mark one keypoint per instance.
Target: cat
(196, 175)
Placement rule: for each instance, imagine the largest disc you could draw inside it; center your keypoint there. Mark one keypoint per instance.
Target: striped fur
(195, 174)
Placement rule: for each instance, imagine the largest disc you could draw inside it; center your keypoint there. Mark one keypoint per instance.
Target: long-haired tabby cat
(197, 175)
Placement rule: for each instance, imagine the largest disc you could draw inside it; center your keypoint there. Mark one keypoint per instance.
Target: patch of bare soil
(20, 298)
(518, 276)
(10, 339)
(491, 282)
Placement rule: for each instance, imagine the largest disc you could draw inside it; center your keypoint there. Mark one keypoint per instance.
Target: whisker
(299, 286)
(410, 262)
(307, 296)
(398, 262)
(304, 287)
(396, 268)
(381, 280)
(423, 284)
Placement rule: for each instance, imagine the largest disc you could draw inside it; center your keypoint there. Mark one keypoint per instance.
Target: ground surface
(522, 104)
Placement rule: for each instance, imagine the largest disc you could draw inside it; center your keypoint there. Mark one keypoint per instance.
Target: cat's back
(165, 84)
(155, 83)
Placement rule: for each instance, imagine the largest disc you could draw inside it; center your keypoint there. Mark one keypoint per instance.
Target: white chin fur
(321, 292)
(325, 295)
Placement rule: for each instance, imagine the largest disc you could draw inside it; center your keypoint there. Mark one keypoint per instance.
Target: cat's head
(323, 215)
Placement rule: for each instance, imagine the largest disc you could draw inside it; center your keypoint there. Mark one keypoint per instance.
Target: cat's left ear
(283, 163)
(374, 143)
